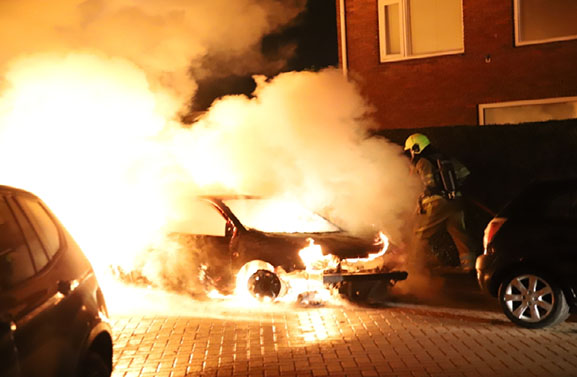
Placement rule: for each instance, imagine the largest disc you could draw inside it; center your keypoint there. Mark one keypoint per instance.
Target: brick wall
(446, 90)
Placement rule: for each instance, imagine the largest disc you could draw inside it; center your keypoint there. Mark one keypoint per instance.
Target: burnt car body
(242, 242)
(530, 257)
(53, 318)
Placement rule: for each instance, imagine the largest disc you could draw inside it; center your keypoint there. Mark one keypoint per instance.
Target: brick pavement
(397, 340)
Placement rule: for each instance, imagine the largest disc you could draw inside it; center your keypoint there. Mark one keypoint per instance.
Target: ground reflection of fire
(316, 328)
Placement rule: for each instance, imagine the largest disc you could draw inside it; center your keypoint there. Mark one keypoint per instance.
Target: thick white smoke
(89, 95)
(167, 39)
(307, 135)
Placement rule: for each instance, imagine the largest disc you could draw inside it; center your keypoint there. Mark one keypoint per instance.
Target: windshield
(278, 216)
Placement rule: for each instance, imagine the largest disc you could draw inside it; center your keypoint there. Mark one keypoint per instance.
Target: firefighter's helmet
(416, 143)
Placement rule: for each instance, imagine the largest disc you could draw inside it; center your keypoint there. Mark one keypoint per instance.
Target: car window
(278, 216)
(42, 223)
(37, 250)
(198, 217)
(15, 261)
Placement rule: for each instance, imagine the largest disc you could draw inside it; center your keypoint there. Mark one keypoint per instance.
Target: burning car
(265, 245)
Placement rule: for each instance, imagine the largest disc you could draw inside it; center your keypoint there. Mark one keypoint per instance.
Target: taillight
(491, 229)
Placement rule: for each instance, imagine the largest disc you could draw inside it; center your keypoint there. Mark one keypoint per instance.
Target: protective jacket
(435, 170)
(441, 206)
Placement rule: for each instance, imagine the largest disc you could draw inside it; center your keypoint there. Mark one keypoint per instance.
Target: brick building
(426, 63)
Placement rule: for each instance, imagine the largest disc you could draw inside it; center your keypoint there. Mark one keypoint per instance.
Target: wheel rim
(529, 298)
(264, 284)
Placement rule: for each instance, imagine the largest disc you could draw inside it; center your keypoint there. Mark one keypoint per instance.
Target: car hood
(340, 244)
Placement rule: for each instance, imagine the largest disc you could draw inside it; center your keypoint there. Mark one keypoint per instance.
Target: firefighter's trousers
(440, 214)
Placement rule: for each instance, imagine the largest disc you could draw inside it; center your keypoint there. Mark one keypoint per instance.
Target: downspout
(343, 39)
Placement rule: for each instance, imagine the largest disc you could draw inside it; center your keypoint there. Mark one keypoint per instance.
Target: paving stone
(401, 340)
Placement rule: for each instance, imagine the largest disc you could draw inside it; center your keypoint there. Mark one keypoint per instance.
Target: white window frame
(383, 34)
(405, 33)
(542, 101)
(518, 22)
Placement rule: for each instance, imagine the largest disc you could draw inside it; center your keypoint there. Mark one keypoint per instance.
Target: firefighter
(440, 206)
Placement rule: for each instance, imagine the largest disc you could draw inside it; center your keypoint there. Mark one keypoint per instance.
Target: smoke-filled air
(91, 97)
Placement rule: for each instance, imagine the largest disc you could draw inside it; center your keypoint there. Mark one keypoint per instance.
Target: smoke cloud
(89, 94)
(307, 135)
(167, 39)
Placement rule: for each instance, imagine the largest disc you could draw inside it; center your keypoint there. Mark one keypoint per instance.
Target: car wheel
(532, 300)
(94, 366)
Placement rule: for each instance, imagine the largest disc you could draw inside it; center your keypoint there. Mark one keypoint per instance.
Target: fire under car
(264, 245)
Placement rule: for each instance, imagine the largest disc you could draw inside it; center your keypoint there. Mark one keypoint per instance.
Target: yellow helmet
(416, 143)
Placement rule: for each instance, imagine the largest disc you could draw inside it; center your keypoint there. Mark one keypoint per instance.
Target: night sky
(315, 34)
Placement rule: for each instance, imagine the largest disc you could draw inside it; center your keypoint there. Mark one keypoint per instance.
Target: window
(278, 216)
(198, 217)
(420, 28)
(15, 262)
(539, 21)
(528, 111)
(43, 225)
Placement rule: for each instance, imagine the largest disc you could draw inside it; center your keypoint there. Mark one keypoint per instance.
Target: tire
(532, 300)
(94, 366)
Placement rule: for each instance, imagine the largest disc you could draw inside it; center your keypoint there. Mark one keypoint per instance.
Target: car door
(19, 293)
(206, 232)
(40, 317)
(9, 364)
(560, 212)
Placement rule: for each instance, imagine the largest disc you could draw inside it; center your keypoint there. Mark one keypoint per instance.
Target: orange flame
(314, 259)
(90, 136)
(307, 286)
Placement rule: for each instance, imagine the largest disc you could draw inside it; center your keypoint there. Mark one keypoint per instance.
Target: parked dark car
(231, 231)
(530, 257)
(53, 318)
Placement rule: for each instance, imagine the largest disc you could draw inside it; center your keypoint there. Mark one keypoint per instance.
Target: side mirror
(64, 287)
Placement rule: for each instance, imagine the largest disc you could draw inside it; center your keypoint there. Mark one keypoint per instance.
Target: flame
(75, 128)
(307, 286)
(381, 240)
(98, 142)
(314, 259)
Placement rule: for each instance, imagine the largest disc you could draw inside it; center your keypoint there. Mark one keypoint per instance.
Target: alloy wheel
(529, 298)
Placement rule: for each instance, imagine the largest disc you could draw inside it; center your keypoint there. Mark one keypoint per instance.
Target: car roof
(228, 197)
(536, 194)
(552, 184)
(14, 190)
